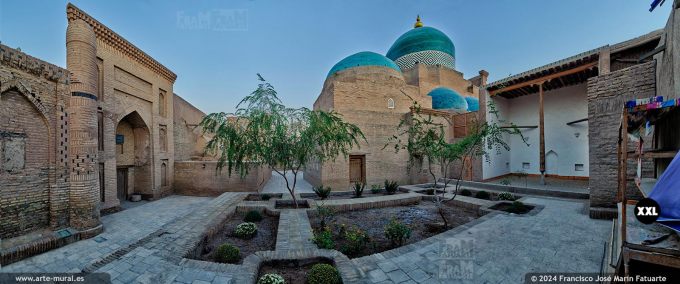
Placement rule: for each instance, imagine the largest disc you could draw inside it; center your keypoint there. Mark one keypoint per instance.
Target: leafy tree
(263, 131)
(426, 141)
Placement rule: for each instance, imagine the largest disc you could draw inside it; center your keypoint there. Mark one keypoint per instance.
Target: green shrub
(391, 187)
(324, 239)
(505, 181)
(322, 192)
(325, 214)
(246, 230)
(465, 192)
(375, 189)
(506, 196)
(227, 253)
(323, 274)
(356, 241)
(518, 207)
(482, 195)
(397, 232)
(265, 197)
(253, 216)
(271, 278)
(358, 189)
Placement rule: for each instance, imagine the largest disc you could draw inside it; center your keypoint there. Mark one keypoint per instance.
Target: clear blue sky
(293, 44)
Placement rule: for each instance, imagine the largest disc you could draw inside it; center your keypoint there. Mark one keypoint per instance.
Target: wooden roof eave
(544, 78)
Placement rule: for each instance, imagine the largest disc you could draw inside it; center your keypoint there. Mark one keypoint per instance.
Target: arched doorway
(133, 163)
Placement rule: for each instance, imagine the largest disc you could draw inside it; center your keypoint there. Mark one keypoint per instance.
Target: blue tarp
(666, 192)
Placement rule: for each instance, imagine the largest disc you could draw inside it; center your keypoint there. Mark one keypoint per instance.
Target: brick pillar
(81, 61)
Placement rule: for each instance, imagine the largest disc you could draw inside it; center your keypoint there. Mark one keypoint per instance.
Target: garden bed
(422, 219)
(347, 195)
(293, 271)
(263, 196)
(264, 239)
(289, 204)
(512, 208)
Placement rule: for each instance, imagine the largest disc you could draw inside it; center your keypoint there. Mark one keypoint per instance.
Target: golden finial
(418, 23)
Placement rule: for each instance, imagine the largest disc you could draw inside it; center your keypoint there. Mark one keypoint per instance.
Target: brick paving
(277, 184)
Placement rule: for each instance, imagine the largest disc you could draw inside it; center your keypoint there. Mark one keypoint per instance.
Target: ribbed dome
(445, 98)
(473, 103)
(424, 45)
(364, 58)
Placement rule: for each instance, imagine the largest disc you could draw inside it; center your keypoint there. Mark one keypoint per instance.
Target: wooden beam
(541, 127)
(545, 78)
(577, 121)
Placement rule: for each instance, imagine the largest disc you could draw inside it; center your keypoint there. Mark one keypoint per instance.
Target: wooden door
(122, 183)
(357, 171)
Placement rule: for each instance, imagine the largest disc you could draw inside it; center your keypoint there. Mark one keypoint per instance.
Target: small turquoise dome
(364, 58)
(445, 98)
(425, 45)
(473, 103)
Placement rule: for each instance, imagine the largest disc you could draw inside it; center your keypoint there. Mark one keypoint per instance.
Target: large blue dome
(424, 45)
(445, 98)
(473, 103)
(364, 58)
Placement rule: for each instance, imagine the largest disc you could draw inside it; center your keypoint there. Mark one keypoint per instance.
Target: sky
(217, 47)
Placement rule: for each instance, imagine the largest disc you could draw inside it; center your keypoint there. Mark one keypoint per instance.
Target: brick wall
(33, 192)
(606, 97)
(200, 178)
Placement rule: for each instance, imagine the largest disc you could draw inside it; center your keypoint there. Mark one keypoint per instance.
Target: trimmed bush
(324, 239)
(227, 253)
(246, 230)
(397, 232)
(322, 192)
(358, 189)
(465, 192)
(265, 197)
(391, 187)
(271, 278)
(253, 216)
(482, 195)
(323, 274)
(506, 196)
(375, 189)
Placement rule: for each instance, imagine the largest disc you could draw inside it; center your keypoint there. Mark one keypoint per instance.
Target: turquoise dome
(445, 98)
(364, 58)
(473, 103)
(424, 45)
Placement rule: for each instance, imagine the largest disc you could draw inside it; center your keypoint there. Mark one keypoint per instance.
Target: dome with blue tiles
(444, 98)
(423, 45)
(364, 58)
(473, 103)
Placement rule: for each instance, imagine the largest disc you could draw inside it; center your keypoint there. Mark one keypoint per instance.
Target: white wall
(561, 106)
(499, 162)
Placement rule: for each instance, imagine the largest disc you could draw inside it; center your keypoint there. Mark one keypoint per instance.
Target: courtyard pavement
(120, 230)
(277, 184)
(560, 238)
(147, 244)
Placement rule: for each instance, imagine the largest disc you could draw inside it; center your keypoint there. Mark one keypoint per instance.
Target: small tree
(426, 141)
(263, 131)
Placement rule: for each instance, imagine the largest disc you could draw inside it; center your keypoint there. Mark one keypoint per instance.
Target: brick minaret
(81, 61)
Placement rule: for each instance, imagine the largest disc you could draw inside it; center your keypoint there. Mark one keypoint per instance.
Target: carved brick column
(81, 61)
